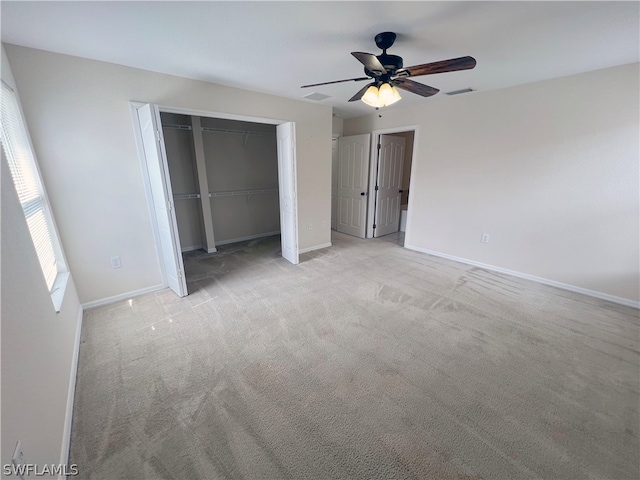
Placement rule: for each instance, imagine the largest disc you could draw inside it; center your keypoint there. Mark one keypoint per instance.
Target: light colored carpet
(366, 361)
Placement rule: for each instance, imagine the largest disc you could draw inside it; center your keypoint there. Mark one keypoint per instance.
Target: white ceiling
(275, 47)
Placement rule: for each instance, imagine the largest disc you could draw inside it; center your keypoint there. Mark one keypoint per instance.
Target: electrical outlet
(324, 223)
(309, 226)
(485, 238)
(116, 262)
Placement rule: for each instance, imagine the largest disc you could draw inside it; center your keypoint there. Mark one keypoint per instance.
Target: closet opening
(224, 181)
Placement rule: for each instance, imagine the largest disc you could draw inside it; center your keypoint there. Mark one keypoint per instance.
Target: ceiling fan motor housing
(390, 62)
(385, 39)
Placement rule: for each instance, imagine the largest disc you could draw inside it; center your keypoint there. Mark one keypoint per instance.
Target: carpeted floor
(366, 361)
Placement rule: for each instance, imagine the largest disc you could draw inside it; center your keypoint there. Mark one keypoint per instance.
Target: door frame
(373, 173)
(134, 105)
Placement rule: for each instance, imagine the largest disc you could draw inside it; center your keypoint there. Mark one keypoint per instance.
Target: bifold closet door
(160, 186)
(285, 134)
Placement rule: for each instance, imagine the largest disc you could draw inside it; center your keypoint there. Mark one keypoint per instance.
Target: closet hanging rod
(174, 126)
(239, 132)
(242, 192)
(186, 196)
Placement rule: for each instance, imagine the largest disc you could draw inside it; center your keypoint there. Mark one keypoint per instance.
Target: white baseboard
(565, 286)
(249, 237)
(122, 296)
(66, 432)
(191, 249)
(315, 247)
(198, 247)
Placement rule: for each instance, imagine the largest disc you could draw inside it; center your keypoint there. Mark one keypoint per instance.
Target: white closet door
(288, 197)
(160, 186)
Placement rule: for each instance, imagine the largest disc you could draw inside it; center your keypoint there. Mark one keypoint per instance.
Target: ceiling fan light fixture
(388, 94)
(376, 97)
(371, 97)
(388, 71)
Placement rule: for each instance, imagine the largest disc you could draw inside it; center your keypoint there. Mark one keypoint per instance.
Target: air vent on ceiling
(317, 96)
(458, 92)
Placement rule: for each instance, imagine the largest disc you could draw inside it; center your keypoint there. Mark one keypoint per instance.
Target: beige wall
(549, 170)
(78, 112)
(38, 344)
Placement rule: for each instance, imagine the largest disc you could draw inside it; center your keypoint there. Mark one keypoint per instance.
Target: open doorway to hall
(371, 176)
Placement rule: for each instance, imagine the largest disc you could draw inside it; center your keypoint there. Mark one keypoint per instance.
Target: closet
(224, 178)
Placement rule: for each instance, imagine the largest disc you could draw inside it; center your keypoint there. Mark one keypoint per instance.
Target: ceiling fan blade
(415, 87)
(360, 93)
(370, 61)
(451, 65)
(337, 81)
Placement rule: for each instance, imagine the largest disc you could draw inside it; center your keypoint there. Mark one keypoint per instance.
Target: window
(26, 178)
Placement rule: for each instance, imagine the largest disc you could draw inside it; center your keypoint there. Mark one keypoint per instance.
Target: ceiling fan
(387, 72)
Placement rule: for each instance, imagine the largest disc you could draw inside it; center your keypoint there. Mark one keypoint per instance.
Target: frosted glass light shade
(388, 94)
(370, 97)
(381, 97)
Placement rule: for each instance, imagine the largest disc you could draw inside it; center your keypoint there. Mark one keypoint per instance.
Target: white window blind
(27, 181)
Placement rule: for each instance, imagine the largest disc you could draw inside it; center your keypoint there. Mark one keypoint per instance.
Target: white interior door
(389, 185)
(286, 134)
(160, 186)
(353, 169)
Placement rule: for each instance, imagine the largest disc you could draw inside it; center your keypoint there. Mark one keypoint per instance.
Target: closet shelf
(238, 132)
(174, 126)
(242, 192)
(186, 196)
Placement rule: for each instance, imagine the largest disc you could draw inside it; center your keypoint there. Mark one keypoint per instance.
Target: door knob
(400, 191)
(362, 193)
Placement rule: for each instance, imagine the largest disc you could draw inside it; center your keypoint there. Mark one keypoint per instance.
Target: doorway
(236, 163)
(157, 177)
(370, 192)
(394, 204)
